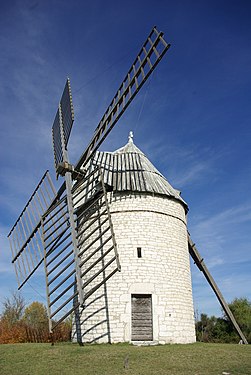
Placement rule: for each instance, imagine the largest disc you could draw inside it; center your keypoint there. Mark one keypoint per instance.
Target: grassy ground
(61, 359)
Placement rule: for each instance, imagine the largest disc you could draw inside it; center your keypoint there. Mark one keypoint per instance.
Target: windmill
(71, 230)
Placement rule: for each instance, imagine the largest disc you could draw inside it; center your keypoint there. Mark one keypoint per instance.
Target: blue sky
(192, 119)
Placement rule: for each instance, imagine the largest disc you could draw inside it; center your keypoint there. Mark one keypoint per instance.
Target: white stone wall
(157, 225)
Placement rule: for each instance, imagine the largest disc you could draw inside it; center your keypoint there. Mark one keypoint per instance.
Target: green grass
(193, 359)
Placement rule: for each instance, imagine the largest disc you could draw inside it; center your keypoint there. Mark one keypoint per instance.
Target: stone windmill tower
(113, 212)
(151, 298)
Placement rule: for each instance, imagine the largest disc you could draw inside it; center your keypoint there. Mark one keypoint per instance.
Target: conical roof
(128, 169)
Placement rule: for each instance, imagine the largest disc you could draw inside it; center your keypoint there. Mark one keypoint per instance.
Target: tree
(13, 308)
(205, 328)
(36, 321)
(241, 309)
(35, 316)
(212, 329)
(30, 324)
(11, 327)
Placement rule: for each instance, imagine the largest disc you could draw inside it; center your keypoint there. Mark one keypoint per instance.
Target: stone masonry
(157, 225)
(149, 221)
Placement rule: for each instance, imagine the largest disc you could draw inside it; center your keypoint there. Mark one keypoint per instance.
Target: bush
(19, 325)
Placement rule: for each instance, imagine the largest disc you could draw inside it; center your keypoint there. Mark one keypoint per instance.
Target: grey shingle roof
(128, 169)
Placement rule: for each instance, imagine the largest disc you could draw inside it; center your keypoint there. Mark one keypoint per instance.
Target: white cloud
(230, 216)
(223, 242)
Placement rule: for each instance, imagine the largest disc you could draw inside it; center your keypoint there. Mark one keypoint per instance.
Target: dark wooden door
(142, 326)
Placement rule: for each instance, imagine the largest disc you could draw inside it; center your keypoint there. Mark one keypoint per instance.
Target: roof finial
(130, 138)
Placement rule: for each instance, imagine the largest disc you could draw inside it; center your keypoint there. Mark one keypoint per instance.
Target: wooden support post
(202, 267)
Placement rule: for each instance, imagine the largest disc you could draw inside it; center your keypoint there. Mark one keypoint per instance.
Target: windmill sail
(62, 125)
(96, 245)
(146, 61)
(25, 236)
